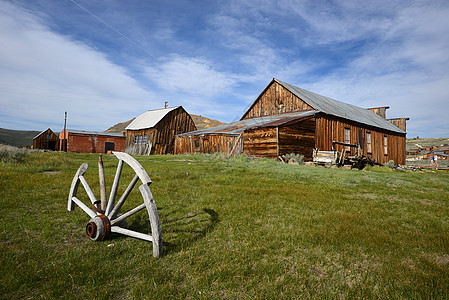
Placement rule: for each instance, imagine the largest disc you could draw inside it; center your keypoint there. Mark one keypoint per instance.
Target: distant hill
(203, 122)
(417, 143)
(119, 128)
(17, 138)
(200, 122)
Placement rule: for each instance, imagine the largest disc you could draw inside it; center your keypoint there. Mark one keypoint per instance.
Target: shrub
(10, 154)
(292, 156)
(390, 164)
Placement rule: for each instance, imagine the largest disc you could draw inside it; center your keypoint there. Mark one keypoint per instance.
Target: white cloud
(193, 76)
(44, 74)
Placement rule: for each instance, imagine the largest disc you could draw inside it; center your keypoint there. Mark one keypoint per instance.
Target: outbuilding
(287, 119)
(153, 132)
(46, 140)
(91, 141)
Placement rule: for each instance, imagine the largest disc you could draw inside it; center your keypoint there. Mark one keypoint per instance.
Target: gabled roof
(42, 133)
(238, 127)
(149, 118)
(337, 108)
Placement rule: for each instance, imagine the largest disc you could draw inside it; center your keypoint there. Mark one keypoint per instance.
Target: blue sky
(107, 61)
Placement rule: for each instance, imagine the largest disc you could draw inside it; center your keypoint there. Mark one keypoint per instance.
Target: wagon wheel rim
(103, 223)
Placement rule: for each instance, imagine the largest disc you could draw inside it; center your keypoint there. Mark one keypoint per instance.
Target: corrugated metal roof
(340, 109)
(149, 118)
(94, 133)
(236, 128)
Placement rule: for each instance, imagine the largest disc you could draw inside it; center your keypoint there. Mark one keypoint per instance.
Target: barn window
(347, 138)
(48, 136)
(136, 139)
(197, 144)
(368, 142)
(385, 145)
(144, 139)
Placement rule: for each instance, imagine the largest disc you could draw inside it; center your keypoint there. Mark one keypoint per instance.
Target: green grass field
(231, 229)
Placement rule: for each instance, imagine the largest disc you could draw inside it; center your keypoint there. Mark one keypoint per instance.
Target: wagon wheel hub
(99, 228)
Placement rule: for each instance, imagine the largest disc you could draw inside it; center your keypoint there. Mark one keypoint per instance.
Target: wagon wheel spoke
(128, 214)
(114, 187)
(132, 233)
(84, 207)
(122, 199)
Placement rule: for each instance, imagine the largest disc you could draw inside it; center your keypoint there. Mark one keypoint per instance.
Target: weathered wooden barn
(46, 140)
(153, 132)
(287, 119)
(91, 141)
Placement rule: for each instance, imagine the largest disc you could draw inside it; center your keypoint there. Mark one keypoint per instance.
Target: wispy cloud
(194, 76)
(44, 74)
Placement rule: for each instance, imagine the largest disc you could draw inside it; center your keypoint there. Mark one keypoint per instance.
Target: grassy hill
(413, 143)
(234, 229)
(200, 122)
(17, 138)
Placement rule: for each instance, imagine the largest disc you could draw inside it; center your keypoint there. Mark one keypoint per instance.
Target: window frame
(369, 149)
(347, 138)
(385, 145)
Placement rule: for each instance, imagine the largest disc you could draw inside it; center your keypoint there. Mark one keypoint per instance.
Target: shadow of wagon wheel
(183, 231)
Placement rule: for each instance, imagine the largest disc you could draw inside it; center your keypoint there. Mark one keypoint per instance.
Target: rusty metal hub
(99, 228)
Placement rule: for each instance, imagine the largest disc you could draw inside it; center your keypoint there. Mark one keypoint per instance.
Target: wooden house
(46, 140)
(91, 141)
(153, 132)
(287, 119)
(442, 155)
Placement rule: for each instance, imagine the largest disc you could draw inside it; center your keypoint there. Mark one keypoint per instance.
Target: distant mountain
(17, 138)
(200, 122)
(203, 122)
(119, 128)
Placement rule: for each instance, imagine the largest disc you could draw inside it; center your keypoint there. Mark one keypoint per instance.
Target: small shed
(46, 140)
(153, 132)
(91, 141)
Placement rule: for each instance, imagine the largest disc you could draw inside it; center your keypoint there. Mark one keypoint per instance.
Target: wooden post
(102, 184)
(64, 140)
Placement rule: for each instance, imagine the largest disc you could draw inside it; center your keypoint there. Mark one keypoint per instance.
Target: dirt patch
(442, 259)
(51, 172)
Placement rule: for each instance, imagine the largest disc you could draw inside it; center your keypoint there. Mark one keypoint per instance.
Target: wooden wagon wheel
(105, 219)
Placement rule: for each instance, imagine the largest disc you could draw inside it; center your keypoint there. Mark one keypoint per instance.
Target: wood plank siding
(207, 144)
(261, 142)
(274, 100)
(160, 139)
(399, 122)
(380, 111)
(47, 140)
(333, 129)
(298, 138)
